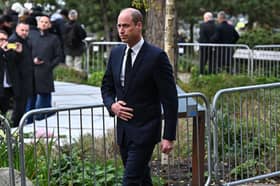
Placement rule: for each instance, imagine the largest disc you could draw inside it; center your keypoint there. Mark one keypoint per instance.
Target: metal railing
(214, 58)
(261, 60)
(266, 60)
(5, 128)
(246, 135)
(97, 54)
(76, 145)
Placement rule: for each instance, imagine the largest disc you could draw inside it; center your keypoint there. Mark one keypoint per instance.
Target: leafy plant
(254, 167)
(67, 74)
(259, 36)
(95, 78)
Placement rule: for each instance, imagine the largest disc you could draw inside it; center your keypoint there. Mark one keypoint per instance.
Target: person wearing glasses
(10, 86)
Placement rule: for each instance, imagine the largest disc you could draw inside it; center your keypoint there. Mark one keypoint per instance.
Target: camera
(11, 46)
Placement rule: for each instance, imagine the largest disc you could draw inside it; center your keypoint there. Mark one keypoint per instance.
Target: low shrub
(95, 79)
(67, 74)
(210, 84)
(259, 36)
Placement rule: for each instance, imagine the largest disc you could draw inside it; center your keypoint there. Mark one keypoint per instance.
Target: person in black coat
(206, 31)
(137, 82)
(25, 63)
(225, 34)
(74, 46)
(10, 85)
(46, 55)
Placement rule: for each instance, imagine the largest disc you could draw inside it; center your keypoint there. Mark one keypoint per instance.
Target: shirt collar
(136, 48)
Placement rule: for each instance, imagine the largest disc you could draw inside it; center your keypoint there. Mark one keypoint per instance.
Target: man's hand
(4, 46)
(18, 47)
(37, 61)
(121, 111)
(166, 146)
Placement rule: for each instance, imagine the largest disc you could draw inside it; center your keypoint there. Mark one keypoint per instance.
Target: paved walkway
(69, 95)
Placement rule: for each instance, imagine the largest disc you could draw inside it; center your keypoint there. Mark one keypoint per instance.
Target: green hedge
(259, 36)
(67, 74)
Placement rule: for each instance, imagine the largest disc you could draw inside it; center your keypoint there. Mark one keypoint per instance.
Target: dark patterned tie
(128, 67)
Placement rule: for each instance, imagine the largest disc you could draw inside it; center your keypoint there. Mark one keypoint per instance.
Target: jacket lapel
(137, 63)
(119, 65)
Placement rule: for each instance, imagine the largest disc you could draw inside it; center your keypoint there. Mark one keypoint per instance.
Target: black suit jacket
(206, 31)
(151, 85)
(225, 33)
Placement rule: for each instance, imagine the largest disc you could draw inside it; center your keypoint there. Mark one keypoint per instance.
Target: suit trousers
(136, 163)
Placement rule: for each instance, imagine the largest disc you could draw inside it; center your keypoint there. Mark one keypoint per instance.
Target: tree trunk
(160, 30)
(103, 4)
(154, 32)
(170, 31)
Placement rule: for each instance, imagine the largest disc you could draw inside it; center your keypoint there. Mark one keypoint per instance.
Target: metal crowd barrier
(246, 133)
(261, 60)
(6, 146)
(97, 54)
(266, 60)
(76, 146)
(214, 58)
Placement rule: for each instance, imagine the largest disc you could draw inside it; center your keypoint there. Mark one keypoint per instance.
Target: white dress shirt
(135, 50)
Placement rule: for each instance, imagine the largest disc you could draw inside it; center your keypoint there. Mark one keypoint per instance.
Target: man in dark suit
(10, 86)
(225, 34)
(137, 81)
(206, 31)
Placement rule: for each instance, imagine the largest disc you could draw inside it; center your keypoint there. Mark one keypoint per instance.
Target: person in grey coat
(46, 54)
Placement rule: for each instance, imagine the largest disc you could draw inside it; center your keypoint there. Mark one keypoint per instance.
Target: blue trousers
(136, 163)
(36, 102)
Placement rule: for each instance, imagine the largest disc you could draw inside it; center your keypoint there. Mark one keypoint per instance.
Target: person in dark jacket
(6, 24)
(225, 33)
(137, 82)
(58, 22)
(46, 55)
(25, 63)
(10, 86)
(73, 41)
(206, 31)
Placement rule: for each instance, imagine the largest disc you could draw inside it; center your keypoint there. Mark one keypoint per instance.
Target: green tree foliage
(266, 13)
(259, 36)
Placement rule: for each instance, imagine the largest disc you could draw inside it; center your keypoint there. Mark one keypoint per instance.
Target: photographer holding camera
(10, 86)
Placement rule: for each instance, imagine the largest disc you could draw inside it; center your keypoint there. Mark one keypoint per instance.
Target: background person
(46, 55)
(25, 63)
(10, 86)
(225, 33)
(206, 31)
(58, 22)
(138, 79)
(73, 41)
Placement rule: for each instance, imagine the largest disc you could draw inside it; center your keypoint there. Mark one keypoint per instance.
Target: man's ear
(139, 25)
